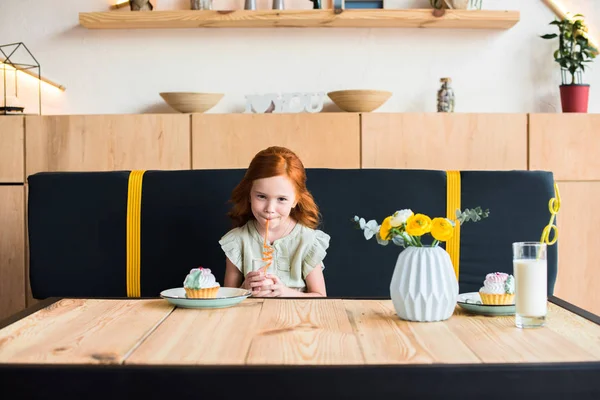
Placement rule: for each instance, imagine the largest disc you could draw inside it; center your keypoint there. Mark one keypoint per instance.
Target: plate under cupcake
(226, 297)
(472, 303)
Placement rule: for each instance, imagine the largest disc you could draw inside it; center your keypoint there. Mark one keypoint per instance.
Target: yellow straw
(553, 206)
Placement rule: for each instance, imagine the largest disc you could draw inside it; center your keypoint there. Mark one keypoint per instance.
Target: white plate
(472, 303)
(226, 297)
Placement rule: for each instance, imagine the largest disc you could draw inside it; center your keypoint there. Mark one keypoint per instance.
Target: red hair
(275, 161)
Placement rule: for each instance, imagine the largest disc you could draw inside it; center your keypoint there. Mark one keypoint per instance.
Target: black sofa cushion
(77, 226)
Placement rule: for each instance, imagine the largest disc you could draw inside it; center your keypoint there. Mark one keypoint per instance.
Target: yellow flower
(418, 225)
(441, 229)
(386, 227)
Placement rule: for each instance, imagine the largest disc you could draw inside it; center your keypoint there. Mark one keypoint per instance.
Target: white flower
(400, 217)
(370, 229)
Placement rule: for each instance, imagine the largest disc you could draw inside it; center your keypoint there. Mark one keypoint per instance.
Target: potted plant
(424, 286)
(574, 51)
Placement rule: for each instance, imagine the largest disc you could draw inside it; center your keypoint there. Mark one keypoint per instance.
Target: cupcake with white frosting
(200, 283)
(498, 289)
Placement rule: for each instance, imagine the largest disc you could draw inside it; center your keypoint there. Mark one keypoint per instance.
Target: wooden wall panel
(11, 149)
(444, 141)
(107, 142)
(566, 144)
(12, 250)
(327, 140)
(578, 251)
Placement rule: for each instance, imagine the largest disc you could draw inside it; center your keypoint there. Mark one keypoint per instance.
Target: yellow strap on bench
(453, 204)
(134, 211)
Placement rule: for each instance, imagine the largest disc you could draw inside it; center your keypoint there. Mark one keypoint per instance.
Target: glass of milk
(530, 270)
(258, 263)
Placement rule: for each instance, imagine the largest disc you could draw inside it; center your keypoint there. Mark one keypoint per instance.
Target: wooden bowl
(190, 102)
(359, 100)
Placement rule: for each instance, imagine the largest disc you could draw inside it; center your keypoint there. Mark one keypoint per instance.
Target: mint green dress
(294, 255)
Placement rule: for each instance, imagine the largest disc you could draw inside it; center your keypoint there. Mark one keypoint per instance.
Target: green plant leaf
(549, 36)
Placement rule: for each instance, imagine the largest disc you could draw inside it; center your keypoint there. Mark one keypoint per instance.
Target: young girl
(272, 198)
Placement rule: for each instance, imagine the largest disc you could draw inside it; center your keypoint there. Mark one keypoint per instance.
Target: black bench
(77, 226)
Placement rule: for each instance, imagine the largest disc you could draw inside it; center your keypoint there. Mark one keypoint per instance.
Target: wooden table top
(284, 332)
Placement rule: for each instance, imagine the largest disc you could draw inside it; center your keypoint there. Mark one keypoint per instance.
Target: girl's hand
(264, 290)
(258, 284)
(278, 288)
(253, 280)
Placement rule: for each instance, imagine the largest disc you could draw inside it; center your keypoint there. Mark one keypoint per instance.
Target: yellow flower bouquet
(404, 228)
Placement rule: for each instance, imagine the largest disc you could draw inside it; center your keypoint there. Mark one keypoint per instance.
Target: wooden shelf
(372, 18)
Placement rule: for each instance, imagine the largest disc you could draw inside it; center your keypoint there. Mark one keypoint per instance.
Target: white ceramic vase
(424, 286)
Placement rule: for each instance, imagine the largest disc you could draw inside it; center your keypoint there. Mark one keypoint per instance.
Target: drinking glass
(530, 269)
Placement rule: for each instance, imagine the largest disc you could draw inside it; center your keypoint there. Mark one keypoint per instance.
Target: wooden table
(297, 348)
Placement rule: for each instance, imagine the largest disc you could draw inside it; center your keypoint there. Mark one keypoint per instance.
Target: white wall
(122, 71)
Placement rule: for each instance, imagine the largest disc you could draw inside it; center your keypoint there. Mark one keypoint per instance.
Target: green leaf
(549, 36)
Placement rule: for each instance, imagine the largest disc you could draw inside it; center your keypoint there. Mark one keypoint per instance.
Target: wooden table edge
(575, 310)
(553, 381)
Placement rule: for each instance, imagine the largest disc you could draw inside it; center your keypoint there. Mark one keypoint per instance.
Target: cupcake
(200, 283)
(498, 288)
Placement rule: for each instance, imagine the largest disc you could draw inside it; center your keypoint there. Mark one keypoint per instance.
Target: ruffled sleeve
(231, 244)
(316, 253)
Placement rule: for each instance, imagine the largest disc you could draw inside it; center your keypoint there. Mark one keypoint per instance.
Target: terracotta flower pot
(574, 98)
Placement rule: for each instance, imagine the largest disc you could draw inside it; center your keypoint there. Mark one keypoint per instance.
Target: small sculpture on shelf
(316, 4)
(284, 103)
(456, 4)
(141, 5)
(445, 96)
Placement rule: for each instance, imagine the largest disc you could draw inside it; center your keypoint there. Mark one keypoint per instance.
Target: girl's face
(272, 199)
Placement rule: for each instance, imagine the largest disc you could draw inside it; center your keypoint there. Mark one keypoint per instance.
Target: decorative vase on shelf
(201, 4)
(424, 286)
(445, 96)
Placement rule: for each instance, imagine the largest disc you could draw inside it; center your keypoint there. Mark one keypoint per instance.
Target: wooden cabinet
(12, 139)
(12, 249)
(444, 141)
(567, 144)
(578, 251)
(107, 142)
(326, 140)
